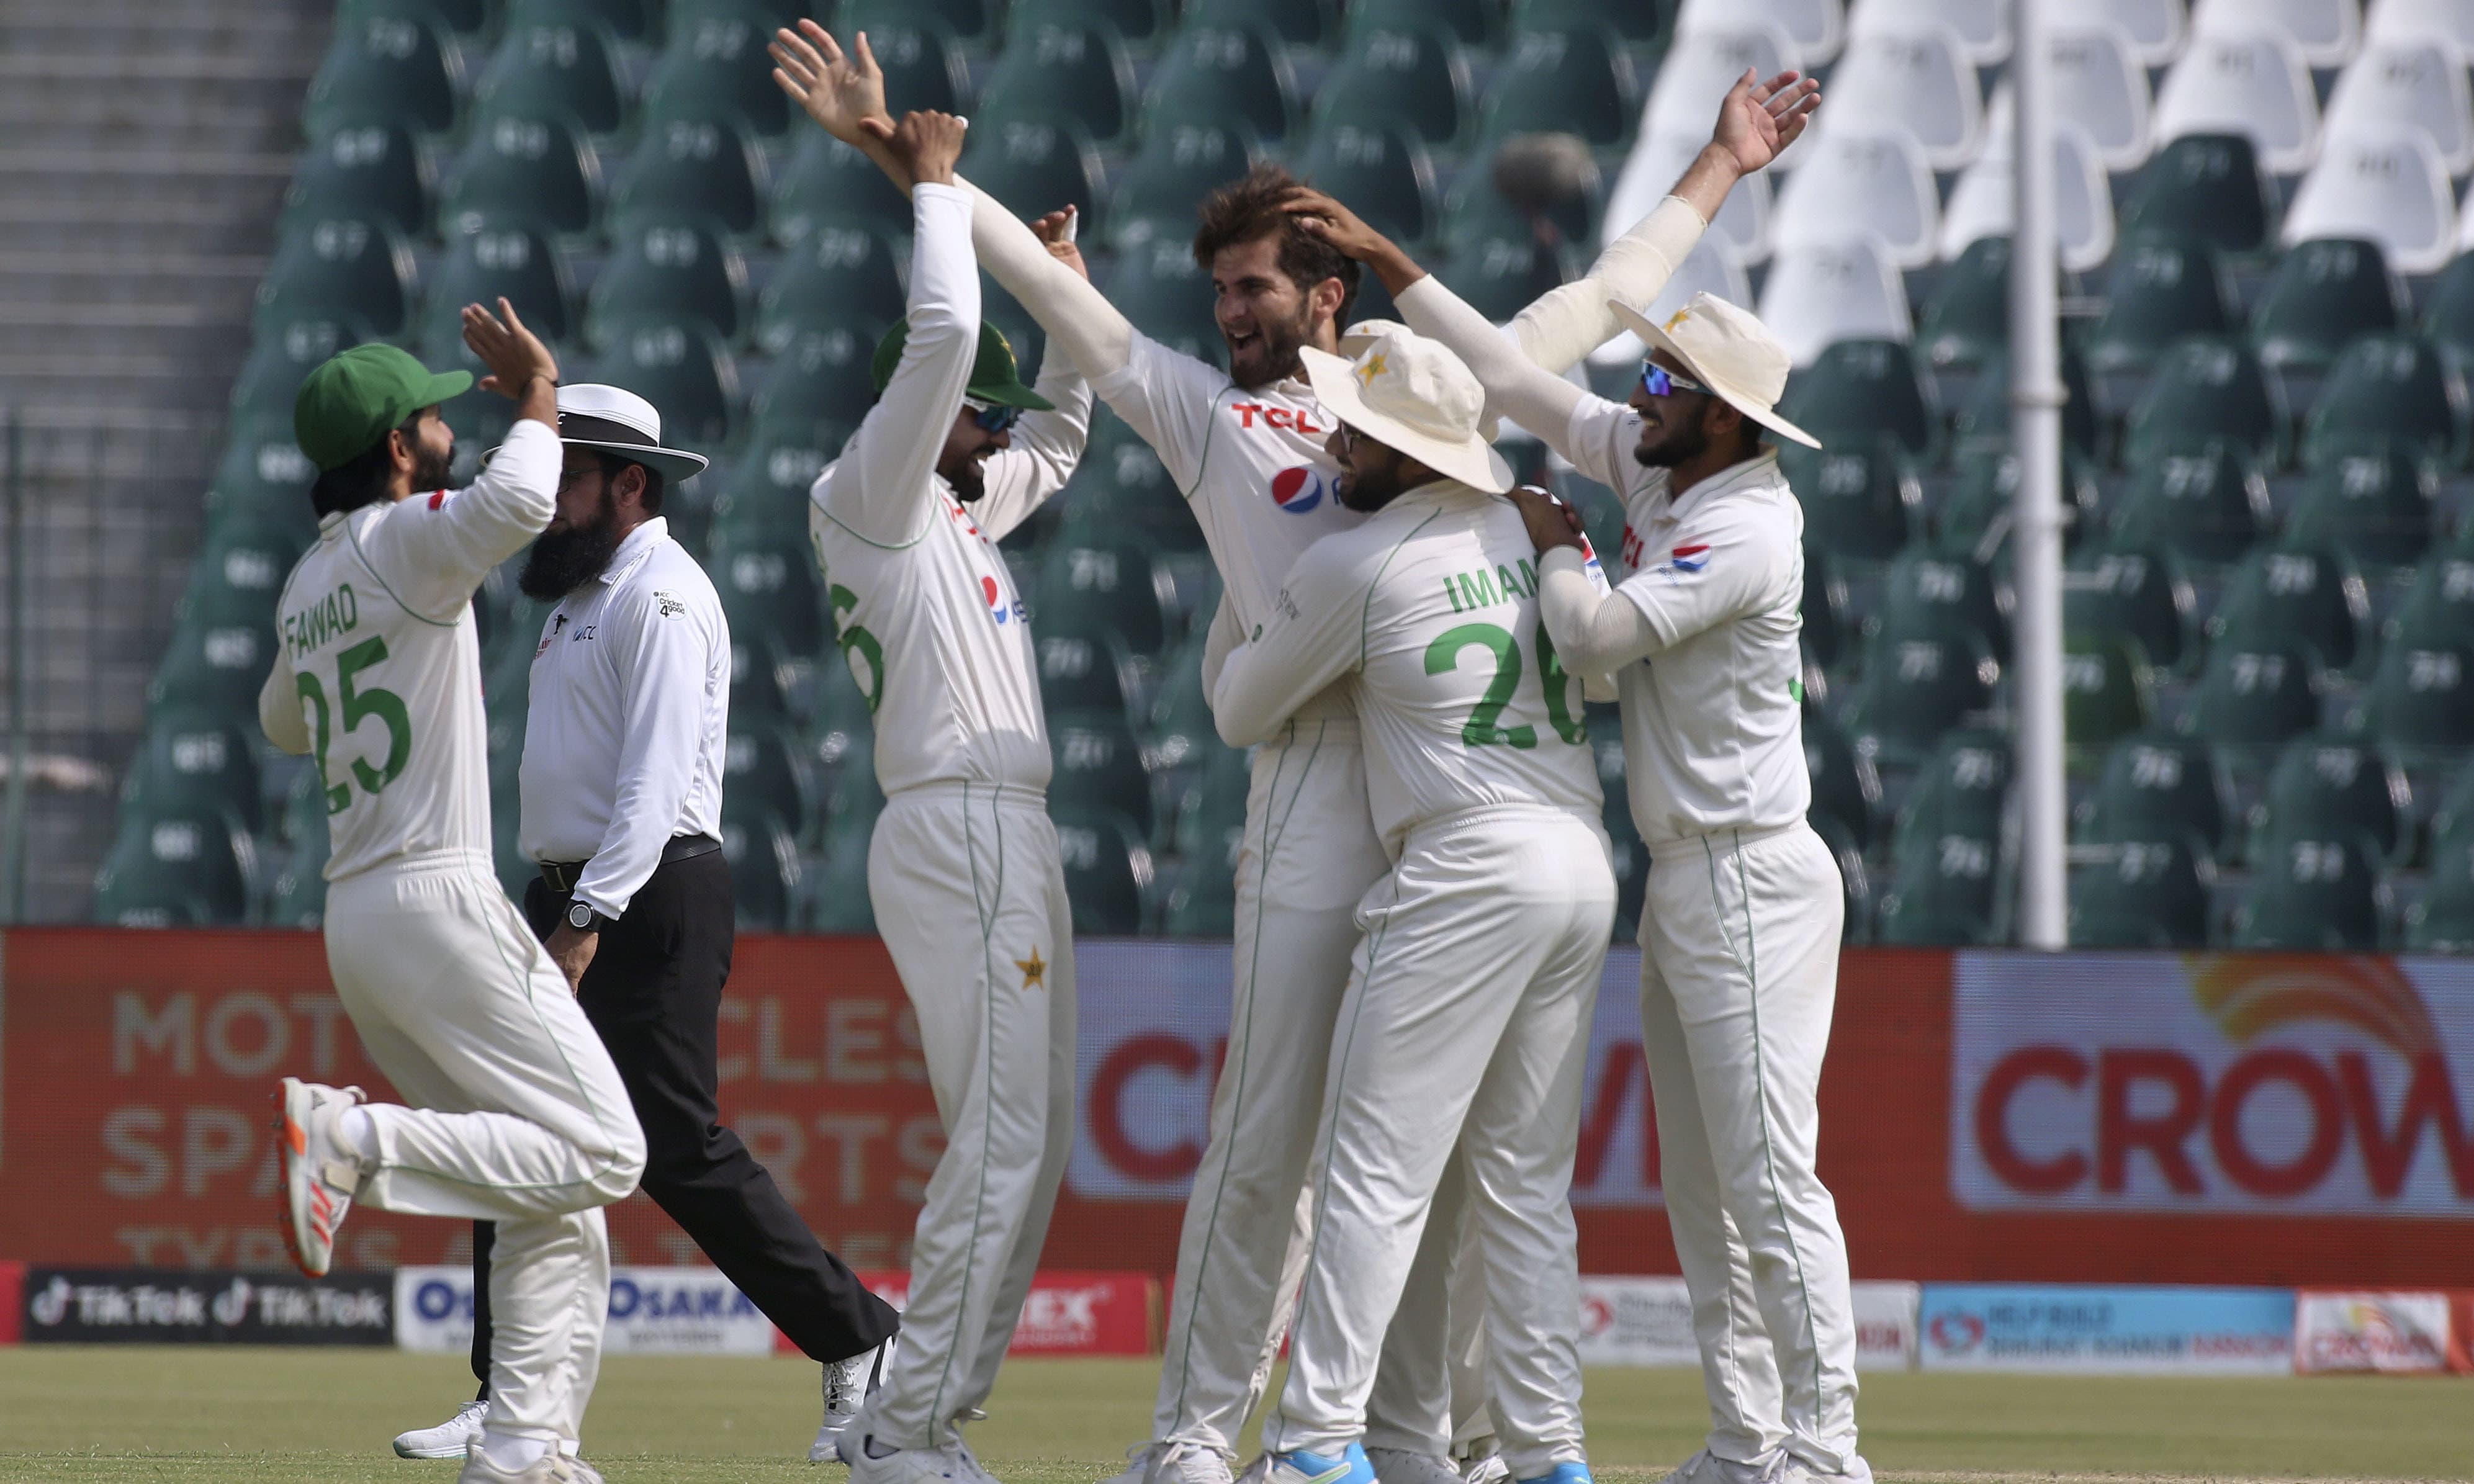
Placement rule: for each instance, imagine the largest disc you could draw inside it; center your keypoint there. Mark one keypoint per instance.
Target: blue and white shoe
(1563, 1473)
(1305, 1467)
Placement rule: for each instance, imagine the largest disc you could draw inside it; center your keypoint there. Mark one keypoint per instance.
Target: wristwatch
(583, 918)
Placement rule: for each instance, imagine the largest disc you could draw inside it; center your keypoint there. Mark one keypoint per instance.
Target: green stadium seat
(1854, 877)
(763, 857)
(2328, 784)
(2159, 786)
(298, 898)
(689, 170)
(241, 571)
(176, 869)
(1914, 689)
(1400, 75)
(1224, 74)
(2108, 691)
(762, 771)
(2138, 593)
(1967, 320)
(717, 71)
(1974, 515)
(2420, 699)
(387, 70)
(2438, 608)
(1859, 501)
(1824, 608)
(339, 267)
(479, 422)
(2149, 893)
(967, 20)
(1095, 582)
(1927, 593)
(2206, 505)
(1098, 767)
(2398, 391)
(1944, 892)
(2443, 921)
(1632, 19)
(535, 173)
(1035, 166)
(827, 182)
(262, 475)
(671, 273)
(681, 369)
(1163, 186)
(837, 896)
(837, 276)
(1211, 815)
(2208, 390)
(820, 376)
(1472, 22)
(2448, 315)
(464, 17)
(760, 681)
(1962, 789)
(561, 71)
(1141, 22)
(2297, 593)
(1295, 22)
(1178, 731)
(516, 263)
(1845, 787)
(2454, 813)
(2313, 895)
(216, 667)
(1856, 388)
(1203, 902)
(1053, 71)
(2209, 187)
(1501, 279)
(916, 49)
(1168, 295)
(770, 588)
(2323, 297)
(629, 20)
(1983, 418)
(1107, 870)
(2253, 698)
(1576, 80)
(282, 356)
(196, 760)
(2161, 288)
(1085, 672)
(1476, 214)
(364, 170)
(769, 481)
(2378, 505)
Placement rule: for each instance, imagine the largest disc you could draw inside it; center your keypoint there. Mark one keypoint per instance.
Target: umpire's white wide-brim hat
(612, 418)
(1728, 349)
(1413, 394)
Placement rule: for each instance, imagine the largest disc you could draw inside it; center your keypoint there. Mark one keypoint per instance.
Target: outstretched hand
(1757, 120)
(511, 352)
(1056, 233)
(843, 91)
(1550, 522)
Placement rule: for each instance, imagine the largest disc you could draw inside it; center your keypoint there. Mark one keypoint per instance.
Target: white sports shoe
(848, 1384)
(1708, 1468)
(319, 1179)
(945, 1464)
(1480, 1469)
(551, 1468)
(1795, 1470)
(1401, 1466)
(1138, 1465)
(449, 1439)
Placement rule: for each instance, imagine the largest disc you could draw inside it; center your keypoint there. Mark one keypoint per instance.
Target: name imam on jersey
(1484, 588)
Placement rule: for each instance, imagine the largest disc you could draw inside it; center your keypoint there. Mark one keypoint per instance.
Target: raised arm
(1046, 446)
(1315, 635)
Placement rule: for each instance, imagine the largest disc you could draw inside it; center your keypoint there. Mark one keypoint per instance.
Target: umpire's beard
(561, 561)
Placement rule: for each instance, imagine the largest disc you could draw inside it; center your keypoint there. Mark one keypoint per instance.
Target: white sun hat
(1411, 394)
(1727, 350)
(616, 419)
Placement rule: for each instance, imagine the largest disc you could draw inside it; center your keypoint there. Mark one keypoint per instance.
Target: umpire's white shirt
(630, 714)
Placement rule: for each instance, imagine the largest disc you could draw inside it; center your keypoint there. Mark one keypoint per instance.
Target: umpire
(621, 805)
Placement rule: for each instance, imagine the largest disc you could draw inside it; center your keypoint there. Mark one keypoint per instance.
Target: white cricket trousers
(1739, 936)
(1310, 852)
(517, 1115)
(970, 898)
(1467, 1023)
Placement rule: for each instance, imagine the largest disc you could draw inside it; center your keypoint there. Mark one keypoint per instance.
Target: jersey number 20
(1484, 727)
(359, 705)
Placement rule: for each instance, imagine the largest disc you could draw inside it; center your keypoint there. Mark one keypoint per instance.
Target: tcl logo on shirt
(1253, 414)
(1299, 488)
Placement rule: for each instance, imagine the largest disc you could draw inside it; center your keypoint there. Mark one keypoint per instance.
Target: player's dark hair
(612, 463)
(1248, 209)
(364, 481)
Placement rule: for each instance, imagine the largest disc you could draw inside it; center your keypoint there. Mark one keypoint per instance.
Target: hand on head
(839, 90)
(1757, 120)
(1326, 219)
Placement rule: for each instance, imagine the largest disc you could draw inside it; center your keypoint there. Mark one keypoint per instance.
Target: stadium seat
(1038, 165)
(2390, 391)
(371, 171)
(2389, 187)
(2101, 84)
(1163, 186)
(837, 896)
(1215, 75)
(2327, 784)
(1845, 786)
(1984, 417)
(1817, 295)
(2313, 895)
(554, 71)
(517, 263)
(1396, 76)
(628, 21)
(1927, 593)
(2448, 316)
(1983, 203)
(2414, 85)
(389, 71)
(1314, 23)
(1856, 388)
(1383, 173)
(2154, 27)
(298, 898)
(1211, 815)
(693, 170)
(972, 21)
(1914, 689)
(2206, 186)
(717, 71)
(769, 587)
(681, 369)
(2288, 592)
(1500, 279)
(671, 273)
(347, 267)
(1945, 893)
(2254, 83)
(262, 473)
(769, 481)
(1086, 671)
(1141, 22)
(2440, 21)
(2438, 608)
(1656, 162)
(523, 172)
(2379, 505)
(1984, 30)
(2146, 893)
(764, 770)
(1963, 790)
(1852, 185)
(282, 356)
(1203, 902)
(2420, 698)
(176, 869)
(828, 181)
(1096, 582)
(1108, 869)
(2162, 287)
(462, 17)
(2108, 690)
(1702, 63)
(195, 760)
(2138, 594)
(1917, 80)
(1641, 25)
(2326, 31)
(1855, 879)
(764, 872)
(1052, 71)
(1167, 295)
(1176, 729)
(821, 376)
(1099, 765)
(2442, 919)
(2253, 698)
(1860, 501)
(2323, 295)
(1824, 606)
(1967, 321)
(2159, 786)
(1974, 513)
(923, 65)
(1816, 27)
(1577, 81)
(836, 277)
(2208, 389)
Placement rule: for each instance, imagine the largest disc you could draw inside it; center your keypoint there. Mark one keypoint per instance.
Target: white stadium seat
(1918, 80)
(1983, 26)
(2253, 84)
(2100, 85)
(1652, 169)
(1816, 26)
(2448, 21)
(2155, 27)
(1703, 64)
(1855, 184)
(2415, 85)
(2326, 30)
(2389, 187)
(1843, 291)
(1711, 267)
(1984, 203)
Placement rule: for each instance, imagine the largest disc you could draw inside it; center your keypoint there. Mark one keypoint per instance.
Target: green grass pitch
(222, 1415)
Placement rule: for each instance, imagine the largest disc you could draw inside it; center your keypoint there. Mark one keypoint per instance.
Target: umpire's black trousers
(654, 992)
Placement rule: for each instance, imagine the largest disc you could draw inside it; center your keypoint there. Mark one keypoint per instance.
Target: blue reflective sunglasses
(992, 418)
(1659, 381)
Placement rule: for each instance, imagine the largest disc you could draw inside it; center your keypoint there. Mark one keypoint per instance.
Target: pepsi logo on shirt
(1298, 488)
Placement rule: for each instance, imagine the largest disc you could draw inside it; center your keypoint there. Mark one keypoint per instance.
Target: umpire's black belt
(562, 875)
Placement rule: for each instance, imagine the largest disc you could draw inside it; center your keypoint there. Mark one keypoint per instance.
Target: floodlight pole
(2036, 395)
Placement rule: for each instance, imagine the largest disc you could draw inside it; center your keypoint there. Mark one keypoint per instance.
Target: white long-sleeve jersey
(377, 666)
(1426, 614)
(925, 610)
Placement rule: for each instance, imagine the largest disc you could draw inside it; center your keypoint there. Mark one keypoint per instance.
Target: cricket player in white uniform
(1245, 446)
(1740, 925)
(964, 868)
(515, 1113)
(1463, 1031)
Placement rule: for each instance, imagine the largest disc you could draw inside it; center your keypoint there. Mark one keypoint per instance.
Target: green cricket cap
(350, 403)
(995, 376)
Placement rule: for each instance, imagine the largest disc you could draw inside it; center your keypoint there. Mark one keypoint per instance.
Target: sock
(511, 1454)
(357, 1134)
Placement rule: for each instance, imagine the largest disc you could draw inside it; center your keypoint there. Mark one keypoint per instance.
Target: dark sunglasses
(1659, 381)
(991, 417)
